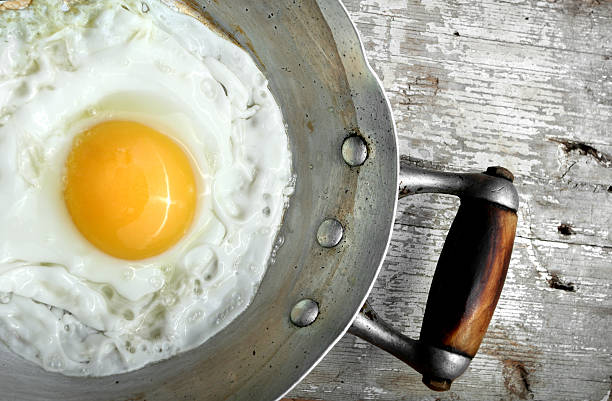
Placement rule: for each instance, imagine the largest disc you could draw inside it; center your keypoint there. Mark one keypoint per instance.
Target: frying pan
(334, 235)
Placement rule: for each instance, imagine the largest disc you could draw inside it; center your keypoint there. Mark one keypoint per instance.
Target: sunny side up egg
(145, 170)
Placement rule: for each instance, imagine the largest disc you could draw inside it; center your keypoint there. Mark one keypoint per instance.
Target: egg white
(63, 303)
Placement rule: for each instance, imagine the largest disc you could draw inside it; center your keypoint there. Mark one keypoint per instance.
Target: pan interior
(312, 57)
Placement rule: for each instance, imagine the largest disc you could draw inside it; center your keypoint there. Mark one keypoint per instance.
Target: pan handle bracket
(469, 276)
(429, 361)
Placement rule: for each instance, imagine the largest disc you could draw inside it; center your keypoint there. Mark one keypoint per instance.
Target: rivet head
(354, 151)
(501, 172)
(304, 312)
(330, 233)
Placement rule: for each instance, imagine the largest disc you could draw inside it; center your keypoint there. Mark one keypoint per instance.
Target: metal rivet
(304, 312)
(501, 172)
(329, 233)
(354, 151)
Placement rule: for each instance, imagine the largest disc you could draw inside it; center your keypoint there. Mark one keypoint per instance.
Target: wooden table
(525, 84)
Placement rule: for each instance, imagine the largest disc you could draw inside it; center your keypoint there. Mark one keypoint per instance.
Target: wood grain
(469, 277)
(523, 84)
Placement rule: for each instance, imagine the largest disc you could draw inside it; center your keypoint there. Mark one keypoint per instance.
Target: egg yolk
(129, 189)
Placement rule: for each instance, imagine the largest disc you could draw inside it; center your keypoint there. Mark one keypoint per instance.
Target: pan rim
(379, 83)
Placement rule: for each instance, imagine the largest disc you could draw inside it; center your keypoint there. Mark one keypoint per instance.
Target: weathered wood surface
(525, 84)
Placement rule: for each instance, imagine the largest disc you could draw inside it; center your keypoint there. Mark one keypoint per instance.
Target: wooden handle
(469, 277)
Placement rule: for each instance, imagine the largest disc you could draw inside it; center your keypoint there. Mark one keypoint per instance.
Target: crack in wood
(555, 282)
(553, 242)
(516, 379)
(585, 150)
(568, 170)
(565, 229)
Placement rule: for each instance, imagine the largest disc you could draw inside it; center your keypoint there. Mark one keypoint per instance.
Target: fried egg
(145, 170)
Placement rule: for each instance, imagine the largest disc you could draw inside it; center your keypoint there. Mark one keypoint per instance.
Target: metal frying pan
(335, 233)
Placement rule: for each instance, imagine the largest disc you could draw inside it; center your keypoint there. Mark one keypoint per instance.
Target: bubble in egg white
(197, 287)
(163, 67)
(169, 299)
(156, 281)
(167, 269)
(195, 316)
(280, 240)
(129, 274)
(5, 297)
(209, 88)
(55, 362)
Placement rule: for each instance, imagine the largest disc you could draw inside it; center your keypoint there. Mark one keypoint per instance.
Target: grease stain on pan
(248, 44)
(310, 126)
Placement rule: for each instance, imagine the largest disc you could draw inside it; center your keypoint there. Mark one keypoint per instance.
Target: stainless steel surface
(312, 56)
(330, 233)
(354, 151)
(304, 313)
(414, 180)
(430, 361)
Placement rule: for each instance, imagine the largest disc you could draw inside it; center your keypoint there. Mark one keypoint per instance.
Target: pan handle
(469, 276)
